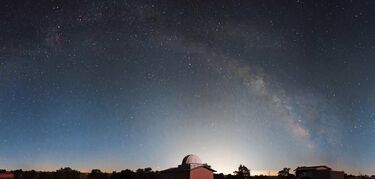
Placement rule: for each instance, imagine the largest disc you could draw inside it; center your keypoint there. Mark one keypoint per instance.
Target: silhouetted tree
(18, 174)
(124, 174)
(146, 173)
(97, 174)
(284, 172)
(219, 176)
(30, 174)
(148, 170)
(229, 176)
(66, 173)
(155, 175)
(45, 175)
(243, 172)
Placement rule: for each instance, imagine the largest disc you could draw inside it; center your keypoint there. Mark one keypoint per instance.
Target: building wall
(6, 175)
(319, 174)
(337, 175)
(201, 173)
(313, 174)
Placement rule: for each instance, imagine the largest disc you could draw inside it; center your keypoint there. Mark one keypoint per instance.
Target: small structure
(190, 168)
(318, 172)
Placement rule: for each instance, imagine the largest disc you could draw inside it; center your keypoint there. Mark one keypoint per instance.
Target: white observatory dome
(191, 159)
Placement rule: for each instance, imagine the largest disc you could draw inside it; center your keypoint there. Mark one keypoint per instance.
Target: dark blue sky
(128, 84)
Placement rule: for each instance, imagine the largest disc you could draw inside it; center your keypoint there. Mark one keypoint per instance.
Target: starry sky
(132, 84)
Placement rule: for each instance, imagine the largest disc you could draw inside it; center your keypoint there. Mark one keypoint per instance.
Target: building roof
(191, 159)
(320, 167)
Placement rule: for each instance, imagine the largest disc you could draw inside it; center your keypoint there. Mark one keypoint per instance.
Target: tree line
(147, 173)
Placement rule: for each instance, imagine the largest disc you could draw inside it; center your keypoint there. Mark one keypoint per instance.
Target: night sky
(134, 84)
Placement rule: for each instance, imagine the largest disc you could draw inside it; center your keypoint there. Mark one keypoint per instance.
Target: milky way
(130, 84)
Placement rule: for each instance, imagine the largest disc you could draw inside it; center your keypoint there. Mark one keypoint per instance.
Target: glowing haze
(129, 84)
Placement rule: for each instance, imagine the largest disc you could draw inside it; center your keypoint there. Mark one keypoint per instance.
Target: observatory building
(318, 172)
(190, 168)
